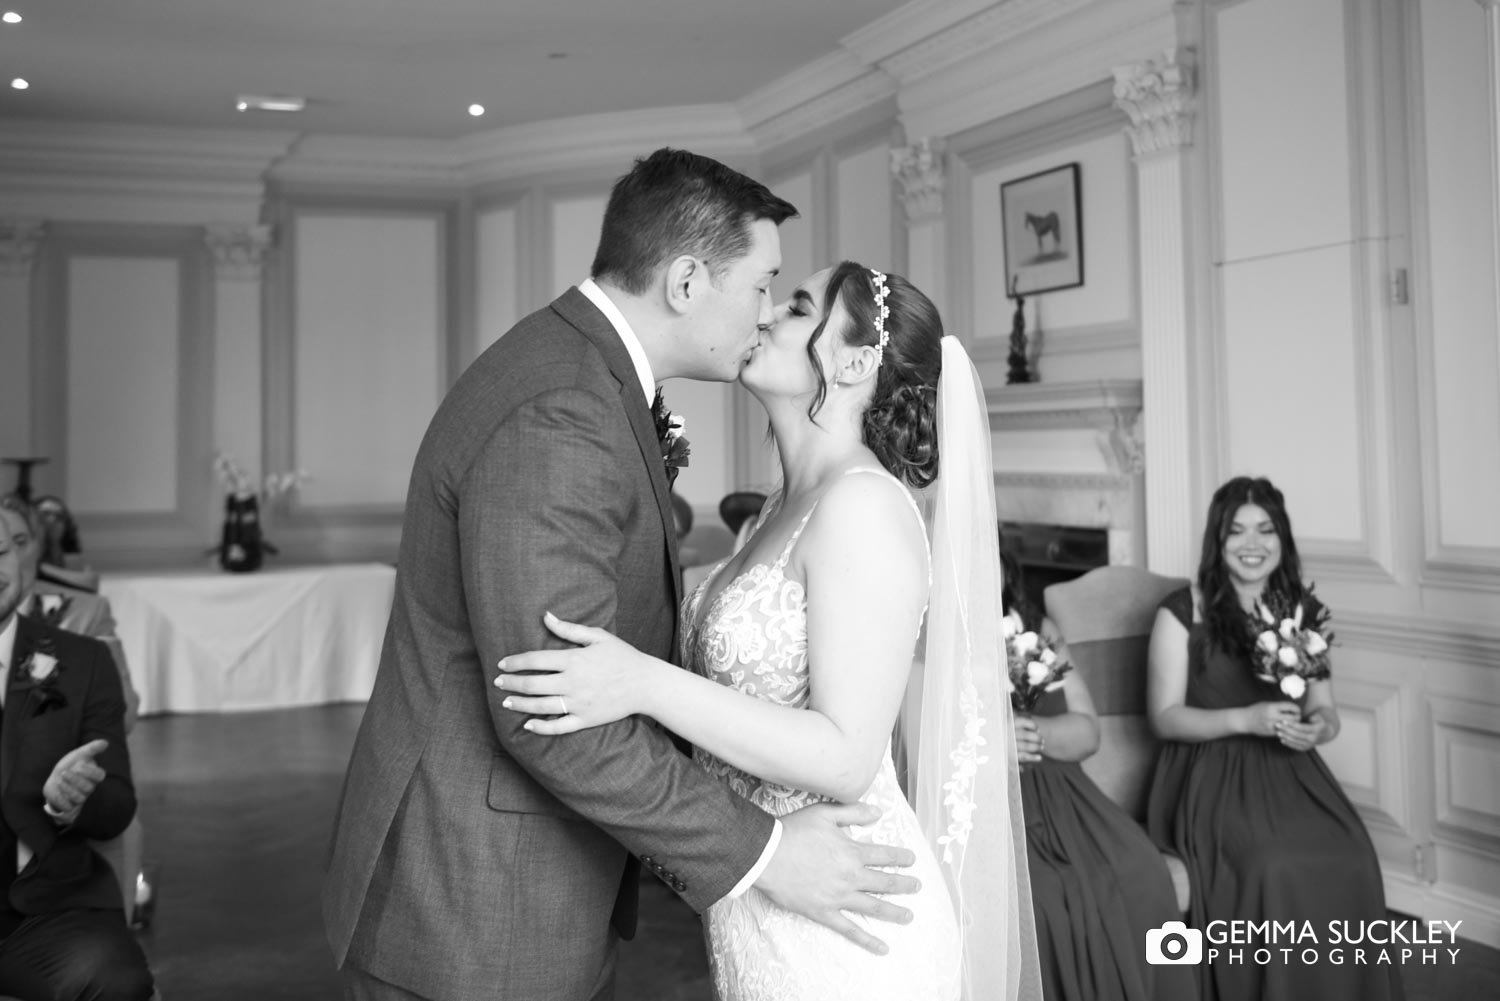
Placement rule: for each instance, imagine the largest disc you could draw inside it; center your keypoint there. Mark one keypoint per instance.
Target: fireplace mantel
(1097, 404)
(1105, 490)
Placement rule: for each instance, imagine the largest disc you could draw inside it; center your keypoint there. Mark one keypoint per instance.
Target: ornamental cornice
(921, 39)
(612, 140)
(238, 250)
(19, 241)
(865, 91)
(918, 170)
(1157, 94)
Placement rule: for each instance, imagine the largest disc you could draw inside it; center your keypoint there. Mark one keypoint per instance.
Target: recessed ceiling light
(254, 102)
(10, 17)
(19, 84)
(476, 110)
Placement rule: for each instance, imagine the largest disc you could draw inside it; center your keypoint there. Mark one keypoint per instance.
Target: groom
(470, 857)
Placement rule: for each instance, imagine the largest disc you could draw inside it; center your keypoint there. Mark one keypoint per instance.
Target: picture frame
(1041, 223)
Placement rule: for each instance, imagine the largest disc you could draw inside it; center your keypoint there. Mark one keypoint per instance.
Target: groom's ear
(684, 280)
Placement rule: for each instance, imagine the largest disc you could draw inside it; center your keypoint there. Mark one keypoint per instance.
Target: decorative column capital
(19, 240)
(1158, 96)
(918, 168)
(1489, 4)
(238, 249)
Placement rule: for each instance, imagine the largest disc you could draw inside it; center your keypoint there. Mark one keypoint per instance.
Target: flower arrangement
(1291, 647)
(237, 483)
(669, 432)
(1035, 667)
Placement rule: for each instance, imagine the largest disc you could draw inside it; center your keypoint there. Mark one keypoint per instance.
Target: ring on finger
(562, 706)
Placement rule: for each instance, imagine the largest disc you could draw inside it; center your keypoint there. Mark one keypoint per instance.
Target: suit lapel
(10, 728)
(574, 307)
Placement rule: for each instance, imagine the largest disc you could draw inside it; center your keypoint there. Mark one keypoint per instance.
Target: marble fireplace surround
(1071, 453)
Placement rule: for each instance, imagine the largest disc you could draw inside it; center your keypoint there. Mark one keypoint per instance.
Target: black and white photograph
(1042, 219)
(696, 500)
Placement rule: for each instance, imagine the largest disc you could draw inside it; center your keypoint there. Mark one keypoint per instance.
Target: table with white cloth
(215, 641)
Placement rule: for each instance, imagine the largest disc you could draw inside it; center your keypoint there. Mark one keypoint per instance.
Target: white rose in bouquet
(1036, 672)
(1293, 686)
(1025, 642)
(1267, 641)
(1316, 644)
(1288, 656)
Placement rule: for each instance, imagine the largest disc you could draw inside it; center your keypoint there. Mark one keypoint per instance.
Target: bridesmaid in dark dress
(1098, 884)
(1239, 790)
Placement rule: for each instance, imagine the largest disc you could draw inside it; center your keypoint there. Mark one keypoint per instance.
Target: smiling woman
(1240, 791)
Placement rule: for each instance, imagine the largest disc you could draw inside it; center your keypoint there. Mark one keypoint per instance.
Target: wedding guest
(62, 927)
(1098, 884)
(1239, 789)
(62, 554)
(61, 606)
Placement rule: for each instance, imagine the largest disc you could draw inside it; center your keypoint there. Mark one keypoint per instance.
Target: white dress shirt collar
(632, 343)
(8, 647)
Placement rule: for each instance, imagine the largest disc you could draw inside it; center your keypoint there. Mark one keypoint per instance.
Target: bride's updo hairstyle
(900, 425)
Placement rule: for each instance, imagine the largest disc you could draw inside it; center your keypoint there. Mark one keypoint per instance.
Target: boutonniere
(37, 675)
(674, 444)
(52, 607)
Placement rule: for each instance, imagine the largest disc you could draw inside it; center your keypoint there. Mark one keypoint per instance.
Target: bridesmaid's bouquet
(1291, 647)
(1035, 667)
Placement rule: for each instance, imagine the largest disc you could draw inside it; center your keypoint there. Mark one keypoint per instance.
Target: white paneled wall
(575, 236)
(1461, 352)
(121, 389)
(1066, 324)
(863, 188)
(122, 383)
(497, 276)
(1292, 386)
(367, 355)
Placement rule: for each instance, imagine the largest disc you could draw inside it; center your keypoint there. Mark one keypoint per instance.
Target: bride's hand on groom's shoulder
(820, 872)
(599, 680)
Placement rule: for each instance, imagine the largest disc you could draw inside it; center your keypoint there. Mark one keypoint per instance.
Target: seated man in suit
(68, 608)
(64, 779)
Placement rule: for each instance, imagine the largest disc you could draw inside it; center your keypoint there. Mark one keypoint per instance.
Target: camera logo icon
(1174, 944)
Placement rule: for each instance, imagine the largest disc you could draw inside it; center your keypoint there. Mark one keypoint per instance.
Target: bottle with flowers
(243, 545)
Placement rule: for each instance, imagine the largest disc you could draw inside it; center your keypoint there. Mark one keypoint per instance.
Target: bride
(799, 648)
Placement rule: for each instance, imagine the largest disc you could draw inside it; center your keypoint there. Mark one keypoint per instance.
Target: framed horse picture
(1041, 217)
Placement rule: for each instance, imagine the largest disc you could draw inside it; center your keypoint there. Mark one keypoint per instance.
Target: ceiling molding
(126, 173)
(868, 91)
(135, 151)
(910, 24)
(1060, 57)
(320, 159)
(993, 26)
(613, 140)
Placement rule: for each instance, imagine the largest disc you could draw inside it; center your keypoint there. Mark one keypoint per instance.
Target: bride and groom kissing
(519, 757)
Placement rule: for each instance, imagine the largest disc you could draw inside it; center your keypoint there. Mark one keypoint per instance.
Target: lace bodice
(752, 636)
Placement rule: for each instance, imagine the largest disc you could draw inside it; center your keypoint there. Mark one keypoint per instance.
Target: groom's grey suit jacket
(471, 858)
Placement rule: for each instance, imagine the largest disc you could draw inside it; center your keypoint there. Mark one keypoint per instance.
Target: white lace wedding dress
(753, 637)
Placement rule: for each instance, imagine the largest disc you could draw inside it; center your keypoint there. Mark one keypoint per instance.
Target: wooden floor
(237, 811)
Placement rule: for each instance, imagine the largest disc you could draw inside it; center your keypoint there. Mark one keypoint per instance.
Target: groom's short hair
(674, 202)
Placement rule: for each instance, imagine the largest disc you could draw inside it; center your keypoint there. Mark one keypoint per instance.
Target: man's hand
(819, 871)
(73, 780)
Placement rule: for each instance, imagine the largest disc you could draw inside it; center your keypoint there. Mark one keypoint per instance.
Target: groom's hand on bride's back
(820, 872)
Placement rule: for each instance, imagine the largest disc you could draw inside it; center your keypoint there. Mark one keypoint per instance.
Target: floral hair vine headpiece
(881, 312)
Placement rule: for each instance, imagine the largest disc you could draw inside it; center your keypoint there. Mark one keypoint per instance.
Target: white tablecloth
(207, 642)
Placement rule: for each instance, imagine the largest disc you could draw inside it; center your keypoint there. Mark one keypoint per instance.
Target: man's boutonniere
(37, 675)
(51, 608)
(674, 444)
